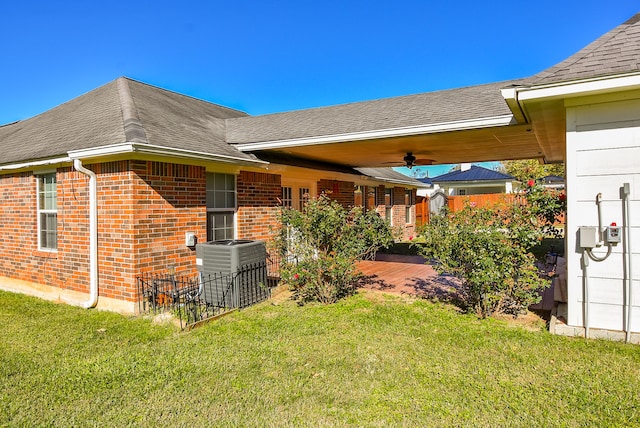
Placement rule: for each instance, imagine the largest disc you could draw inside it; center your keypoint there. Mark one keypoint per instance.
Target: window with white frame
(221, 206)
(47, 206)
(408, 202)
(388, 204)
(295, 195)
(287, 198)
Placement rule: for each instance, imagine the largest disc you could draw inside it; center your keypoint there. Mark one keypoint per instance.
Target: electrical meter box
(588, 236)
(612, 234)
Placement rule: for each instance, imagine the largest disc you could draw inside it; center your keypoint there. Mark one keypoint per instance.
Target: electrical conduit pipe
(626, 191)
(93, 234)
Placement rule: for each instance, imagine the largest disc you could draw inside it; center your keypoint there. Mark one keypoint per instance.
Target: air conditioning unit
(233, 272)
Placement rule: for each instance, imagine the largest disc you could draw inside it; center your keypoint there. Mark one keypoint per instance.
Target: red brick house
(109, 185)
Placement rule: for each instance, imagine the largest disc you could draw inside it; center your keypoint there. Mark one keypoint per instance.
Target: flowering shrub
(487, 249)
(548, 206)
(322, 244)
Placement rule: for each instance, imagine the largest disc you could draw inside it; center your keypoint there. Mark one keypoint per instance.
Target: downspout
(93, 233)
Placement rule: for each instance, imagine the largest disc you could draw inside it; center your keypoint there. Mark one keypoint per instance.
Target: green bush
(487, 249)
(548, 205)
(321, 245)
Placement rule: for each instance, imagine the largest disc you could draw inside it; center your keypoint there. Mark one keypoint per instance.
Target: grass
(370, 360)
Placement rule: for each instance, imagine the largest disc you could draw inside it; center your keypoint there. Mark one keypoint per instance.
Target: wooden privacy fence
(425, 208)
(457, 203)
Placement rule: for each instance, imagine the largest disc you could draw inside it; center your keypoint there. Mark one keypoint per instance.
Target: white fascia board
(34, 164)
(578, 88)
(487, 122)
(130, 147)
(511, 98)
(396, 181)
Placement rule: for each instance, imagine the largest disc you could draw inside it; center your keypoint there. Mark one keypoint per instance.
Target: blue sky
(271, 56)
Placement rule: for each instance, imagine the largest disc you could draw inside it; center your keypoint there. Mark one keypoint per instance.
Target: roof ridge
(133, 129)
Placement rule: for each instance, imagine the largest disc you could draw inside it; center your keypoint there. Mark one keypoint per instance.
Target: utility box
(612, 235)
(588, 236)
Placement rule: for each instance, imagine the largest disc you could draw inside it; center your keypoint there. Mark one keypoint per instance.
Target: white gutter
(383, 133)
(93, 234)
(579, 88)
(132, 147)
(45, 162)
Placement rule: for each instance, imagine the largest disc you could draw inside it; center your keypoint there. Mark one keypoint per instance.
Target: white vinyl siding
(603, 153)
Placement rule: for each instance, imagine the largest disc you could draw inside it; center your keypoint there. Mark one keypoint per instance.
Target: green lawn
(370, 360)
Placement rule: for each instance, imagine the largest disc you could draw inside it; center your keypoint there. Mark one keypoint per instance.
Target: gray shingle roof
(120, 111)
(467, 103)
(126, 110)
(475, 173)
(616, 52)
(390, 175)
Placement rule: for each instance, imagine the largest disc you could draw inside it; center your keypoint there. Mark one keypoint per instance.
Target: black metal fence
(197, 298)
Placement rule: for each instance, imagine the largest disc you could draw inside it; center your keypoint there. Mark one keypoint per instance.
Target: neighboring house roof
(616, 52)
(469, 103)
(427, 181)
(474, 174)
(121, 111)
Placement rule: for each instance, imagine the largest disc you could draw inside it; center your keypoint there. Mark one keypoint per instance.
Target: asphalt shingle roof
(126, 110)
(475, 173)
(615, 52)
(120, 111)
(451, 105)
(389, 174)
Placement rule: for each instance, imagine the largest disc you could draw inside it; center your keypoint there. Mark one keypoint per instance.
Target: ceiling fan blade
(423, 162)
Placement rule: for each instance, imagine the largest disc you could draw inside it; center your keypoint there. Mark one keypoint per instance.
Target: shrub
(487, 249)
(321, 245)
(548, 205)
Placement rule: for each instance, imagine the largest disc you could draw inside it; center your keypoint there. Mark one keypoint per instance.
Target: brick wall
(398, 215)
(167, 201)
(68, 267)
(18, 239)
(144, 210)
(258, 198)
(340, 191)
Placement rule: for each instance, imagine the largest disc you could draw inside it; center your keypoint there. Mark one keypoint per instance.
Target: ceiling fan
(409, 160)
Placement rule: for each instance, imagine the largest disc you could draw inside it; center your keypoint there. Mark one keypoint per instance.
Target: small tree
(530, 169)
(487, 249)
(321, 245)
